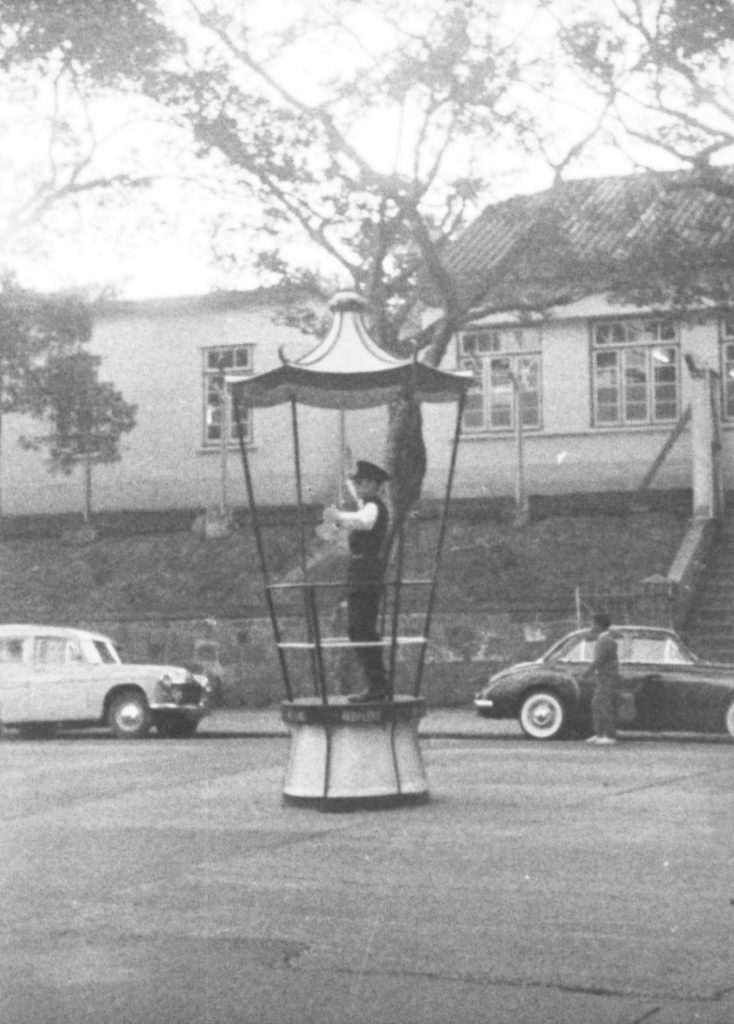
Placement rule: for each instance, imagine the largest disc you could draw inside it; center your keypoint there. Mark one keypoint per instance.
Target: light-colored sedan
(52, 677)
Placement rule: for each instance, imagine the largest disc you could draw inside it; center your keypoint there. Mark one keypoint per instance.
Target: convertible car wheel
(543, 715)
(129, 716)
(729, 719)
(176, 730)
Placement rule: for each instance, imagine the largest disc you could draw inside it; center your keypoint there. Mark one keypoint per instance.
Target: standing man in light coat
(605, 668)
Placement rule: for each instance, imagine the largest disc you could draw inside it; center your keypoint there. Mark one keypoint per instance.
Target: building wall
(153, 354)
(568, 453)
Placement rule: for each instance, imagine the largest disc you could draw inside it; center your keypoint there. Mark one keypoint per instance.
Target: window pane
(501, 414)
(502, 397)
(474, 415)
(530, 409)
(215, 360)
(529, 372)
(474, 408)
(607, 361)
(499, 375)
(665, 377)
(606, 385)
(50, 651)
(635, 385)
(529, 368)
(491, 405)
(488, 341)
(646, 649)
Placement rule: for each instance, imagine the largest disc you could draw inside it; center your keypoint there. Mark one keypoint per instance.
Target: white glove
(331, 515)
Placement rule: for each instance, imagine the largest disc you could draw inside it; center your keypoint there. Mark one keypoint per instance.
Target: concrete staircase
(710, 625)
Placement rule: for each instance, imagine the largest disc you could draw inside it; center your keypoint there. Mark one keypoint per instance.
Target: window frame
(631, 349)
(209, 408)
(479, 349)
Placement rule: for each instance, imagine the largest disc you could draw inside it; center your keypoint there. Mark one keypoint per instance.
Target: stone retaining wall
(463, 649)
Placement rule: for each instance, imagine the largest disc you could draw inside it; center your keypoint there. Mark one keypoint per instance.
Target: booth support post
(310, 609)
(441, 536)
(258, 540)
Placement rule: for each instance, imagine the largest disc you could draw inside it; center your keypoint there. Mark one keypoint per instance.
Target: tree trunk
(406, 461)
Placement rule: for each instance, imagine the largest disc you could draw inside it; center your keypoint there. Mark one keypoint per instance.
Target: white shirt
(363, 519)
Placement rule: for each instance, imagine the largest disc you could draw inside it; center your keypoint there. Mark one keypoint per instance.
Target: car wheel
(543, 715)
(729, 719)
(39, 731)
(172, 730)
(129, 716)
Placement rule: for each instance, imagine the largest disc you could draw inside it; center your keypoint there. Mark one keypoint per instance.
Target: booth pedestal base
(354, 756)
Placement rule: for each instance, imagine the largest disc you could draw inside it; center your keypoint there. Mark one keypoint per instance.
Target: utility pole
(521, 500)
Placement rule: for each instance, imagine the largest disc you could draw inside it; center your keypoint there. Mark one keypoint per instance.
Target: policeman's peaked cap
(369, 471)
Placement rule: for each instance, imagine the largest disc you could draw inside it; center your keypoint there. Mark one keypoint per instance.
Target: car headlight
(169, 692)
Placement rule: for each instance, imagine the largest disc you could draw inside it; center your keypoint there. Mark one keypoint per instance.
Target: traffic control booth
(343, 755)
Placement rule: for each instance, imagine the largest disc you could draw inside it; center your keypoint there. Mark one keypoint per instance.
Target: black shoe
(367, 696)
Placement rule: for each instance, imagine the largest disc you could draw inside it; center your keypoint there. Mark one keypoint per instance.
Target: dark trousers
(603, 710)
(364, 591)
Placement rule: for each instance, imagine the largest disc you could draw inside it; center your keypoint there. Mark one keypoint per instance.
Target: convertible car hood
(520, 668)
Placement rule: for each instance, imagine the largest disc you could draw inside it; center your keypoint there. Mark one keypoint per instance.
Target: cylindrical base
(354, 756)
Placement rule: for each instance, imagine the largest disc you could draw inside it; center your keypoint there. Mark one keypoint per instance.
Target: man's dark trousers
(364, 590)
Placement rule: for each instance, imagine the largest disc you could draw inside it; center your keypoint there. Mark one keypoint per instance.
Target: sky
(158, 243)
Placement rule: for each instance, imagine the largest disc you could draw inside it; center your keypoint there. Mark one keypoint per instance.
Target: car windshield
(99, 652)
(648, 648)
(574, 648)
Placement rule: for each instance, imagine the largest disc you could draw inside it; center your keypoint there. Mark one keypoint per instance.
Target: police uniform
(367, 532)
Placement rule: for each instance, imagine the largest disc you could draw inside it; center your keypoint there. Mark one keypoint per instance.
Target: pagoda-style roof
(347, 370)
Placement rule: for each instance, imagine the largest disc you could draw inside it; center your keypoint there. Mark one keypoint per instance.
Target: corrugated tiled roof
(576, 237)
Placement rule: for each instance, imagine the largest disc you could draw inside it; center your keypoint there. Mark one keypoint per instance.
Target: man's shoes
(593, 739)
(605, 741)
(367, 697)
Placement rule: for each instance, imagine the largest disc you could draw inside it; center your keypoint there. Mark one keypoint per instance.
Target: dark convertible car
(664, 688)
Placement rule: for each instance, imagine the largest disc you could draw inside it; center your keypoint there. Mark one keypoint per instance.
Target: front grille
(191, 693)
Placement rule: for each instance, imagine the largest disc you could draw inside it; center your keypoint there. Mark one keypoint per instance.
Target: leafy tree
(450, 82)
(113, 42)
(664, 70)
(63, 67)
(31, 325)
(295, 136)
(87, 417)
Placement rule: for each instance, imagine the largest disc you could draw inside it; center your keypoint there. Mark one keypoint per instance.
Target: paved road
(165, 882)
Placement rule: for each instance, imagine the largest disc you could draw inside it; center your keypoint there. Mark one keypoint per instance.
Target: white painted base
(344, 756)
